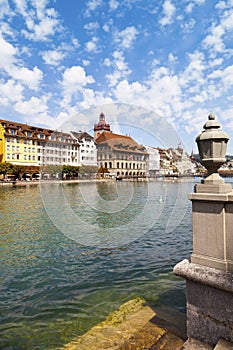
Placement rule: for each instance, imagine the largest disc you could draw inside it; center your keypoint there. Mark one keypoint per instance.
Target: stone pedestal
(209, 297)
(212, 208)
(209, 274)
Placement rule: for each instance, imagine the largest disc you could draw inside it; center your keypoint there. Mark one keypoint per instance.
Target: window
(17, 140)
(8, 139)
(25, 149)
(17, 156)
(41, 136)
(29, 157)
(8, 147)
(12, 131)
(29, 134)
(25, 157)
(25, 141)
(8, 156)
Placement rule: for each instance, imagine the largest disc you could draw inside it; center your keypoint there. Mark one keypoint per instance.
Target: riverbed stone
(129, 328)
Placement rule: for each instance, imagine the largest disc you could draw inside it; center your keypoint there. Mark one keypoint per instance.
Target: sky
(171, 61)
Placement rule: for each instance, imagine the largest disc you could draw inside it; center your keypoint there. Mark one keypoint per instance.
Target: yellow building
(18, 143)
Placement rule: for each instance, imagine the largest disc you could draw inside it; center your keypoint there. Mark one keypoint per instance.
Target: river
(72, 253)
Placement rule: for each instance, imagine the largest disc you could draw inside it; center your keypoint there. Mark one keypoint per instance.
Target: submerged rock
(128, 328)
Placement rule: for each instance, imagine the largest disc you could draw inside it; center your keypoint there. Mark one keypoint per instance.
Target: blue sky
(173, 58)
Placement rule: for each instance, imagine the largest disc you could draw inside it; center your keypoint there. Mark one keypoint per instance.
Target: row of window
(121, 156)
(17, 140)
(56, 159)
(47, 151)
(18, 157)
(119, 165)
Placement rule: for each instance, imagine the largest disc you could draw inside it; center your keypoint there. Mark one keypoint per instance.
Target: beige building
(121, 155)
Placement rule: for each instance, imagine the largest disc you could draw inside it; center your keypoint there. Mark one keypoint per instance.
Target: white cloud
(4, 8)
(53, 57)
(172, 58)
(188, 26)
(11, 65)
(126, 37)
(32, 107)
(168, 13)
(10, 91)
(41, 22)
(225, 76)
(121, 69)
(191, 4)
(30, 78)
(8, 53)
(86, 62)
(194, 72)
(91, 46)
(74, 80)
(113, 4)
(215, 40)
(92, 5)
(91, 26)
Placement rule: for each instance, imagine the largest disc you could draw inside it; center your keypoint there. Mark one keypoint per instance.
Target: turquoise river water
(73, 253)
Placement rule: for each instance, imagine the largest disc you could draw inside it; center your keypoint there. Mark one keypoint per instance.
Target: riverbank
(40, 182)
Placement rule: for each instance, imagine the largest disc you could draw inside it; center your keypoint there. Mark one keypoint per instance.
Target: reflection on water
(54, 288)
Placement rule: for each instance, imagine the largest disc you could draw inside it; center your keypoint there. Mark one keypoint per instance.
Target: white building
(87, 149)
(153, 166)
(57, 148)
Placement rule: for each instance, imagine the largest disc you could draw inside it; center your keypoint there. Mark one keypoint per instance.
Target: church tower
(101, 126)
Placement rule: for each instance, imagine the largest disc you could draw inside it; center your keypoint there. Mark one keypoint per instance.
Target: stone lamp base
(209, 294)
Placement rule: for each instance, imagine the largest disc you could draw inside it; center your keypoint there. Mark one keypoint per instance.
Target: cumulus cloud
(53, 57)
(120, 67)
(31, 78)
(74, 79)
(168, 13)
(4, 8)
(215, 40)
(126, 37)
(12, 66)
(92, 5)
(91, 26)
(8, 53)
(113, 5)
(41, 22)
(10, 91)
(91, 46)
(33, 106)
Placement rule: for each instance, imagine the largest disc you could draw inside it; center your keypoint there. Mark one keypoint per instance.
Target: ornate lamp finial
(212, 143)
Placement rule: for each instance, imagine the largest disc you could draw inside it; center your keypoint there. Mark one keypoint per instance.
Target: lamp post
(209, 272)
(212, 144)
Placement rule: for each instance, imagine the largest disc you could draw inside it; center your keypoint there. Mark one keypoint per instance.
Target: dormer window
(41, 136)
(12, 131)
(29, 134)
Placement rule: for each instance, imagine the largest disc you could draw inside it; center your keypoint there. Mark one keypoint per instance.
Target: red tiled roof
(120, 142)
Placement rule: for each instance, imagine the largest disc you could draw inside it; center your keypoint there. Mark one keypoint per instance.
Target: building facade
(153, 166)
(119, 155)
(87, 148)
(22, 144)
